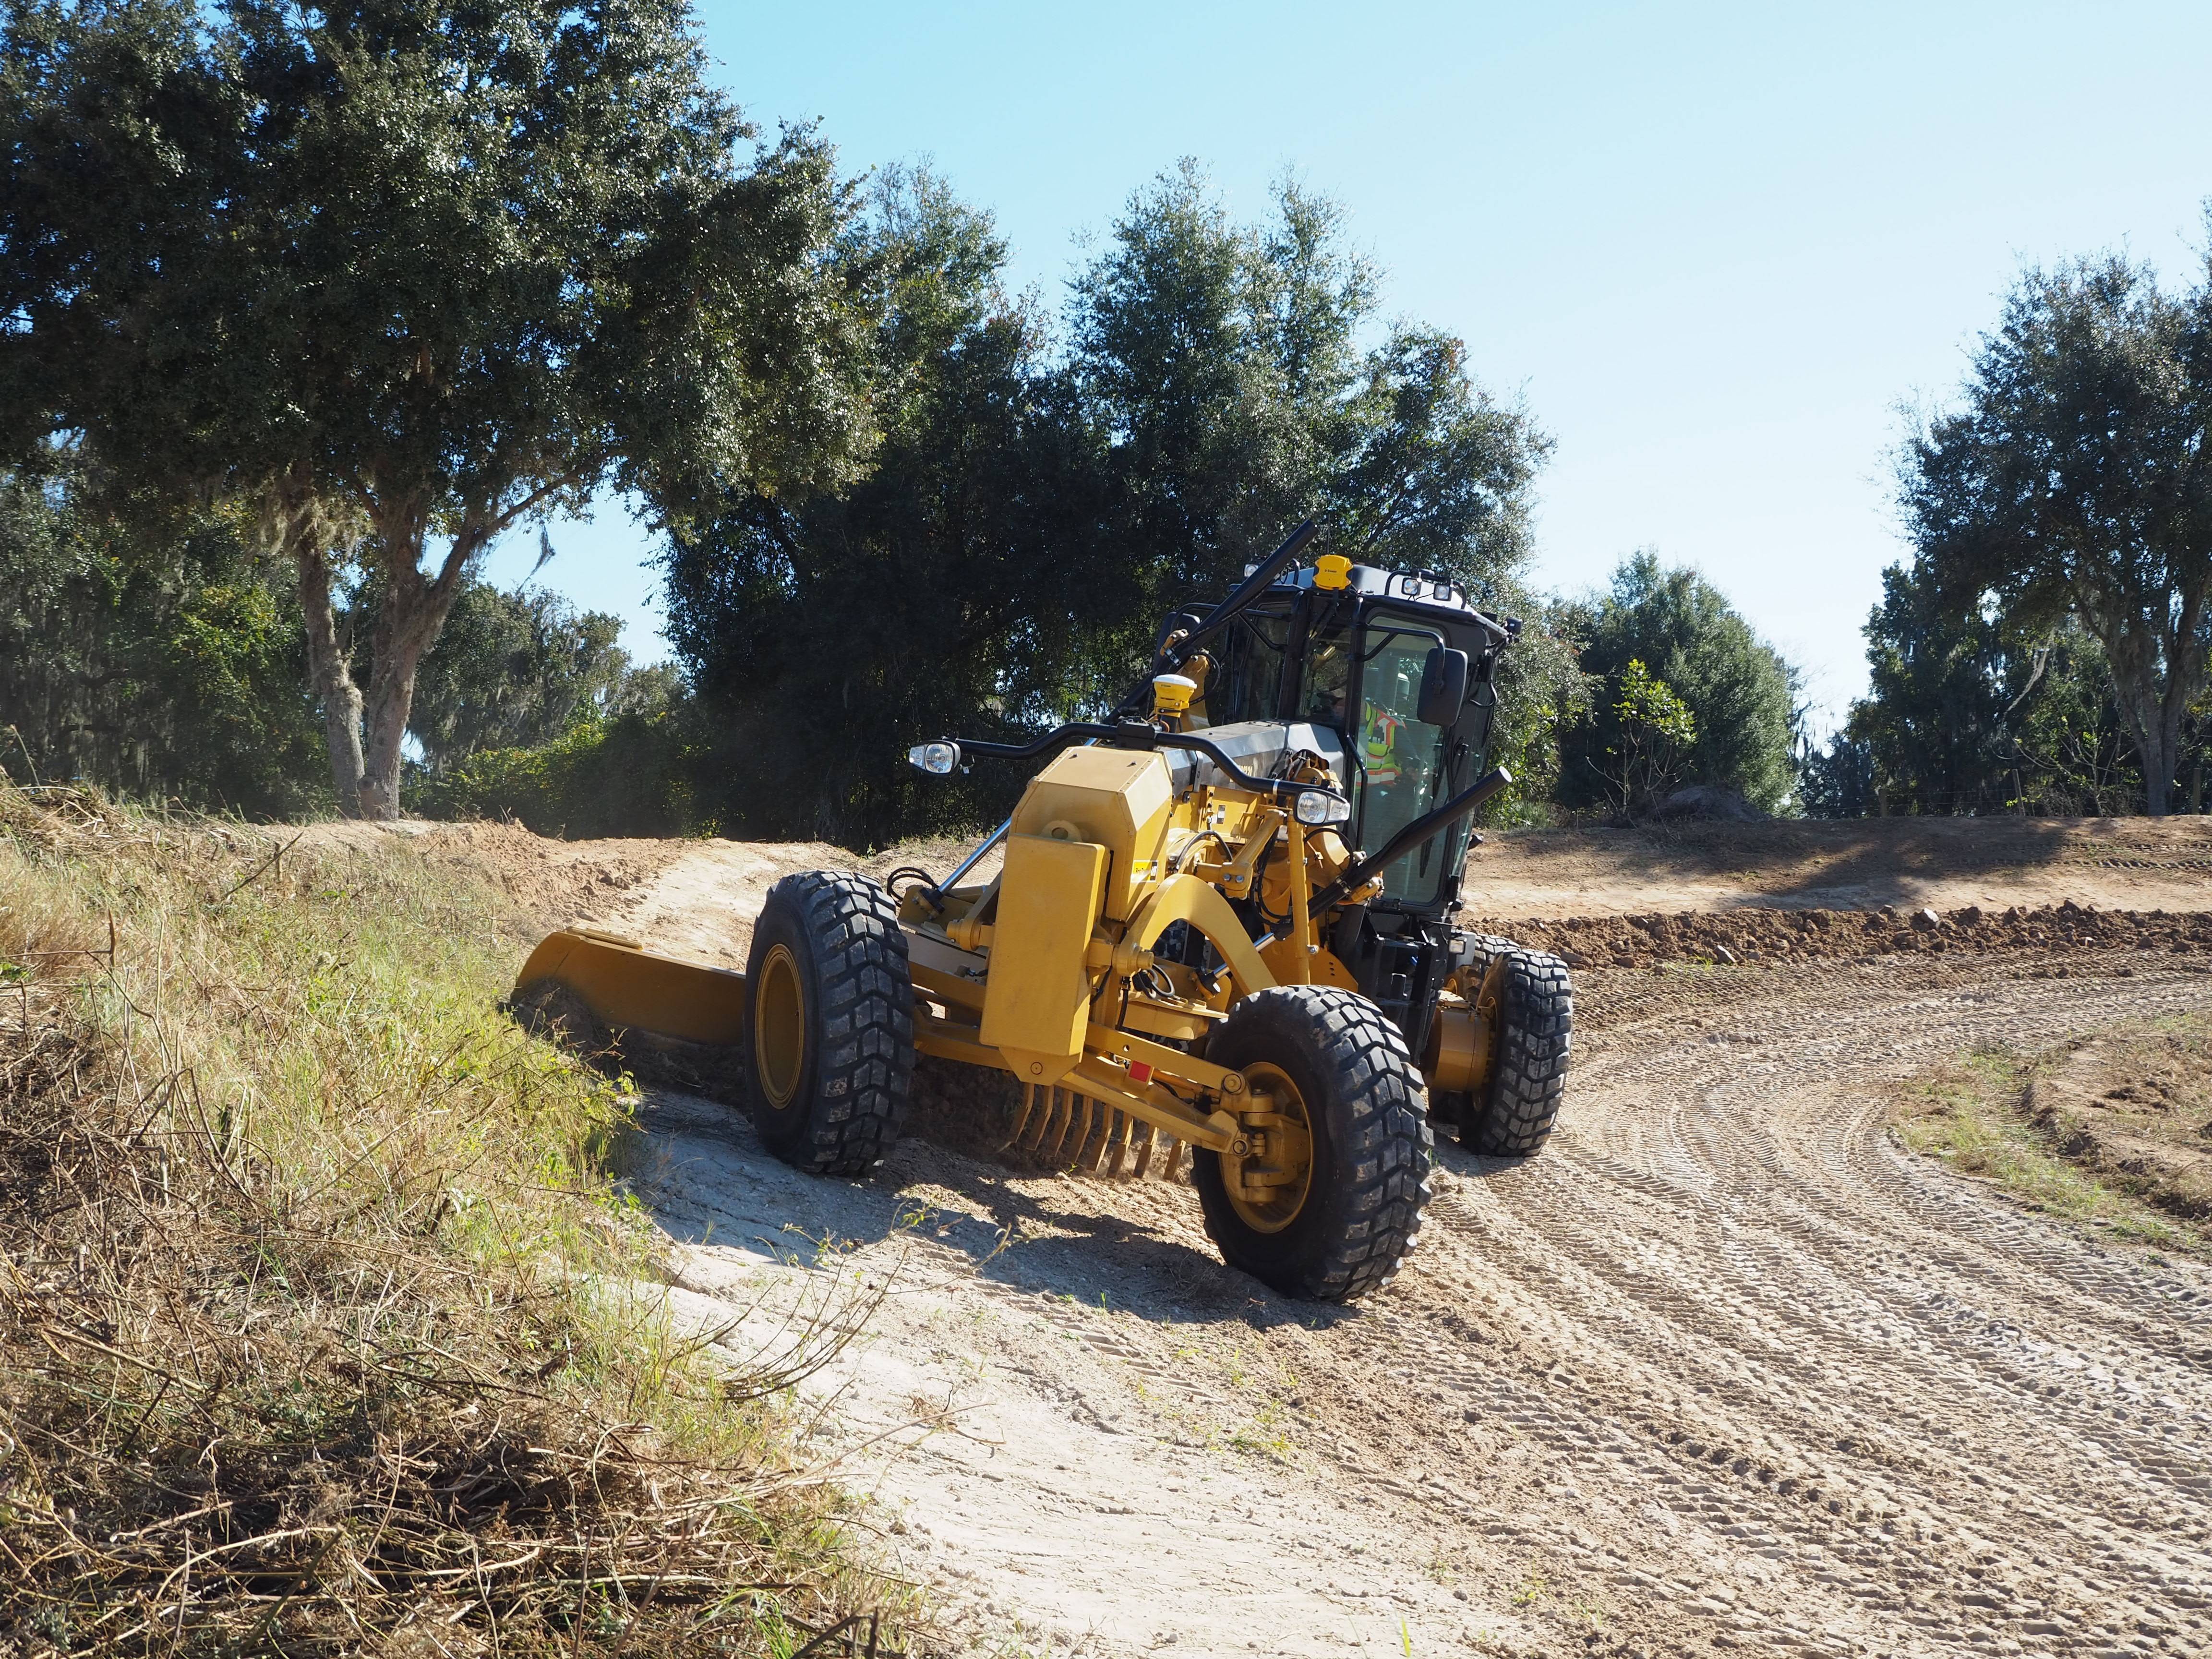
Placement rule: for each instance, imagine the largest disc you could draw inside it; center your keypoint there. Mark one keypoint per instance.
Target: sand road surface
(1724, 1368)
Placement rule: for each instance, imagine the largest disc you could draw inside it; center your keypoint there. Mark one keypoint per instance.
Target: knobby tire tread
(861, 1074)
(1387, 1148)
(1529, 1074)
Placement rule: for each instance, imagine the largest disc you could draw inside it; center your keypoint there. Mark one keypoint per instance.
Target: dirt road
(1724, 1368)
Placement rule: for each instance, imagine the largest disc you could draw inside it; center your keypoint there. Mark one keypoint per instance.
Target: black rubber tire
(1373, 1148)
(1457, 1108)
(855, 1067)
(1529, 1074)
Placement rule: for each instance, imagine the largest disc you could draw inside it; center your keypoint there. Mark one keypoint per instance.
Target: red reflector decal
(1139, 1072)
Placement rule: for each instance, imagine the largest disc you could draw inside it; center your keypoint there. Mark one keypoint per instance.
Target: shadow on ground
(707, 1179)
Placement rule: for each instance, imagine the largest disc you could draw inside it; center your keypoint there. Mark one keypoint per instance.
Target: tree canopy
(1734, 688)
(1040, 499)
(399, 275)
(515, 670)
(155, 654)
(1223, 362)
(1968, 713)
(2073, 482)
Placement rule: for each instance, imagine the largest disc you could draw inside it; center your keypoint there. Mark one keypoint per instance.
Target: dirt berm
(1724, 1368)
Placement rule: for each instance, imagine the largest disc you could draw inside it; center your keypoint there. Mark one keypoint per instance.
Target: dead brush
(320, 1327)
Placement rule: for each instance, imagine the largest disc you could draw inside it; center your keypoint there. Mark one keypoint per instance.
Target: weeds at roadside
(1266, 1436)
(325, 1324)
(1974, 1114)
(1532, 1589)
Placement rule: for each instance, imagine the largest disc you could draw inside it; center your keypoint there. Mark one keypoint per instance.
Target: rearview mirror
(1443, 686)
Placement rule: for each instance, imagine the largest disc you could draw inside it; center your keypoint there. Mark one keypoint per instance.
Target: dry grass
(319, 1320)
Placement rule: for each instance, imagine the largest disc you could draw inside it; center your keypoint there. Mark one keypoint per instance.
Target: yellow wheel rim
(1267, 1183)
(780, 1027)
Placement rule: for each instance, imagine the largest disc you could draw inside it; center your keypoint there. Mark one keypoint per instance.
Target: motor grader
(1219, 929)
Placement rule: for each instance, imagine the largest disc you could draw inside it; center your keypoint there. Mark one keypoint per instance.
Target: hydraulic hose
(1135, 735)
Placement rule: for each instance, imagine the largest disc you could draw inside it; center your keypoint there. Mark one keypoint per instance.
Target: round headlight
(937, 759)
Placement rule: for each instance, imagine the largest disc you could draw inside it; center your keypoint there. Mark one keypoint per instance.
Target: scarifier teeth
(1119, 1126)
(1055, 1126)
(1093, 1137)
(1075, 1157)
(1109, 1121)
(1022, 1122)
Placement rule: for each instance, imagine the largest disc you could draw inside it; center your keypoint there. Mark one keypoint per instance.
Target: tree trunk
(2158, 778)
(332, 680)
(413, 610)
(403, 632)
(2157, 672)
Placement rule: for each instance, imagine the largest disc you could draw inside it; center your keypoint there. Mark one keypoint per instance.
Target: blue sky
(1717, 248)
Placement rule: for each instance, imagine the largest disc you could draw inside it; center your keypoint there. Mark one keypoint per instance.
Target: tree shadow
(1799, 864)
(707, 1179)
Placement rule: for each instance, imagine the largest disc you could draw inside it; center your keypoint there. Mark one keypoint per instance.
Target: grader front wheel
(829, 1023)
(1325, 1196)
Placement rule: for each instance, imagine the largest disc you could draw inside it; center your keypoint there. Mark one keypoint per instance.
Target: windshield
(1401, 760)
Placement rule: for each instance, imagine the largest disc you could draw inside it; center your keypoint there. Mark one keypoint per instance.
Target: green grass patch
(1975, 1114)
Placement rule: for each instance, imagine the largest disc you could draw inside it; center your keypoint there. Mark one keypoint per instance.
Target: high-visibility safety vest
(1378, 744)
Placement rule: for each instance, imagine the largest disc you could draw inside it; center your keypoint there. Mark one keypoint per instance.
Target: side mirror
(1443, 686)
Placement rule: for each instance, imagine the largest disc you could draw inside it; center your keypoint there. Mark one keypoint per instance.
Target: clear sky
(1716, 247)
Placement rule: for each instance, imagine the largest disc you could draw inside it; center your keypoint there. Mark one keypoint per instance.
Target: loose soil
(2138, 864)
(1724, 1367)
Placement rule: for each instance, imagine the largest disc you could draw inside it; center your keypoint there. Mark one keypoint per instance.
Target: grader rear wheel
(1535, 1018)
(1327, 1196)
(829, 1023)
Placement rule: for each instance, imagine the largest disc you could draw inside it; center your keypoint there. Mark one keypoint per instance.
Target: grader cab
(1220, 921)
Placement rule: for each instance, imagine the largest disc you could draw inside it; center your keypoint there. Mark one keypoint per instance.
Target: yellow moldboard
(625, 985)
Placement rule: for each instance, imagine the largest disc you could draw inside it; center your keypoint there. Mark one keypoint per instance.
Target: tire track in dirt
(1723, 1367)
(1869, 1358)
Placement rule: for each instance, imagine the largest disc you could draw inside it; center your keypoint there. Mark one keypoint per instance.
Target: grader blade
(626, 986)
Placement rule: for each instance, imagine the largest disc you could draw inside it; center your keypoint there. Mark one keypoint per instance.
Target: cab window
(1399, 759)
(1247, 673)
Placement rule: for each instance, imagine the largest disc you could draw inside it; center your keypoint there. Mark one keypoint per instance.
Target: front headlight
(1319, 806)
(938, 759)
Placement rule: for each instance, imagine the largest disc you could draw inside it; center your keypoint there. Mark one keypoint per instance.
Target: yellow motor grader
(1221, 921)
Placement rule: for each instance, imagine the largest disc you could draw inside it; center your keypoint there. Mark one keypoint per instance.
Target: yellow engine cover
(1117, 798)
(1037, 997)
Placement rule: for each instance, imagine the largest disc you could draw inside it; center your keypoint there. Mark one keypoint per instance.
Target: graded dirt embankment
(1724, 1368)
(2125, 864)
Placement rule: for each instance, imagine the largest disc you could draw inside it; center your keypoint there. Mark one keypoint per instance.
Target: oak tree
(2074, 479)
(402, 275)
